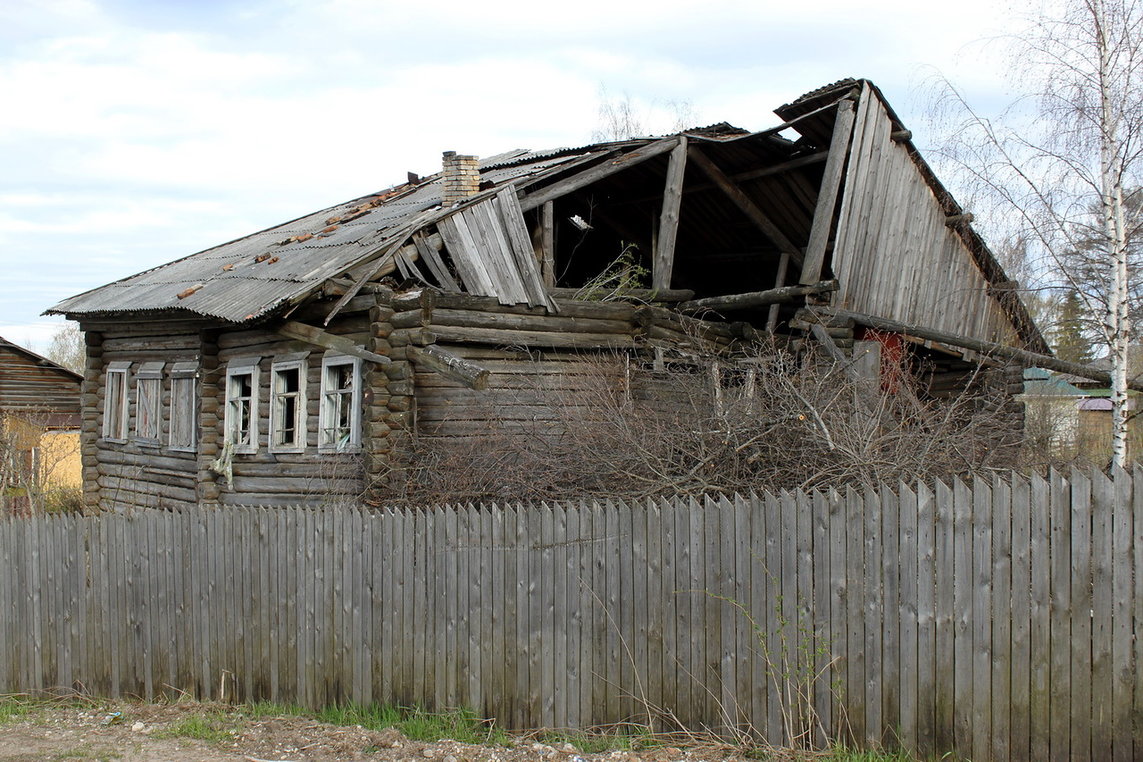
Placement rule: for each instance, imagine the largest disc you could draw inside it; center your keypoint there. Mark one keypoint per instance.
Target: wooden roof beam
(745, 204)
(292, 329)
(663, 262)
(571, 184)
(1021, 356)
(827, 195)
(757, 298)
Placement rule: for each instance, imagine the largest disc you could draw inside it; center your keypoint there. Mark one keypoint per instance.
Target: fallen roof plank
(316, 336)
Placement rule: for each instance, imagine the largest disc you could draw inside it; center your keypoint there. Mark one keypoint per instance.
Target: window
(241, 418)
(115, 402)
(339, 419)
(148, 402)
(288, 405)
(183, 407)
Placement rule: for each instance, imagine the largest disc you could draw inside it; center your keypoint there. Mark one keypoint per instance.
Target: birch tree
(1071, 145)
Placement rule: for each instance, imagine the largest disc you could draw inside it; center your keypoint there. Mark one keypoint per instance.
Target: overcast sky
(133, 132)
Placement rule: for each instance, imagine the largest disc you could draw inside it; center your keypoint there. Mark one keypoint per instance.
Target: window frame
(245, 366)
(301, 417)
(116, 378)
(184, 374)
(328, 403)
(149, 407)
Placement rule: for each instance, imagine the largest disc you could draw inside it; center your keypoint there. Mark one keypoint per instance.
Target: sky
(134, 132)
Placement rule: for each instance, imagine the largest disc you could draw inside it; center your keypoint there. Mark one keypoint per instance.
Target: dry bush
(705, 425)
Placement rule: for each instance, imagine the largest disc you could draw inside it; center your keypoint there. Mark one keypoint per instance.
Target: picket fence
(993, 619)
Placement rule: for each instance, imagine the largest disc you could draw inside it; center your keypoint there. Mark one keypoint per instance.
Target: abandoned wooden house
(286, 366)
(39, 425)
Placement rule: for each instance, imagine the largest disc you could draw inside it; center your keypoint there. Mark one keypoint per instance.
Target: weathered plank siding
(37, 388)
(990, 619)
(894, 256)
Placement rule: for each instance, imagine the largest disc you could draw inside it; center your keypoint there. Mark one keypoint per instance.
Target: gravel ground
(209, 732)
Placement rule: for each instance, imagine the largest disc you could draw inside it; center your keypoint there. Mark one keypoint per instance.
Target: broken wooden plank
(827, 195)
(316, 336)
(449, 365)
(606, 168)
(512, 219)
(745, 204)
(429, 253)
(757, 298)
(664, 260)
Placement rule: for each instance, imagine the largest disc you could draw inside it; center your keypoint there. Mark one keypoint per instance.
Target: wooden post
(827, 195)
(779, 281)
(669, 217)
(548, 243)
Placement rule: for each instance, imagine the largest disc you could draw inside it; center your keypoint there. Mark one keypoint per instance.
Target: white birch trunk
(1118, 326)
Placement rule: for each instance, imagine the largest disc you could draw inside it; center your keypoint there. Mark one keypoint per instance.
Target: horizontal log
(757, 298)
(477, 319)
(286, 486)
(1022, 356)
(502, 337)
(420, 300)
(449, 365)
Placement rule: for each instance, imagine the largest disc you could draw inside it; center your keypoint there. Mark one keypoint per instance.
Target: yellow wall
(59, 456)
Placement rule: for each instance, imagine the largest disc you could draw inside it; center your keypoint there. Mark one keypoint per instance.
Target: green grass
(417, 724)
(212, 727)
(14, 707)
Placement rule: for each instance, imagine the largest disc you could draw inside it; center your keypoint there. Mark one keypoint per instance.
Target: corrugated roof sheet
(247, 278)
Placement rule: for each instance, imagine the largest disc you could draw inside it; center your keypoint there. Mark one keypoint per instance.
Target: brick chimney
(461, 177)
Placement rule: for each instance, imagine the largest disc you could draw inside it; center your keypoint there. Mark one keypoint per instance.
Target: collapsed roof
(716, 211)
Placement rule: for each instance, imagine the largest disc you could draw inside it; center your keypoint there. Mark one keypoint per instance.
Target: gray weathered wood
(1009, 605)
(598, 172)
(663, 260)
(827, 194)
(754, 299)
(318, 337)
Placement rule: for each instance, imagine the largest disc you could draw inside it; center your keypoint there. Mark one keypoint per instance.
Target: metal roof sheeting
(250, 277)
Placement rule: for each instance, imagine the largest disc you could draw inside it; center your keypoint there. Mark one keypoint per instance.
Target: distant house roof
(32, 383)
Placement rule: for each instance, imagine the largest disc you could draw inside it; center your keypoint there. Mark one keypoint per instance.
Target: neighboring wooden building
(39, 425)
(285, 367)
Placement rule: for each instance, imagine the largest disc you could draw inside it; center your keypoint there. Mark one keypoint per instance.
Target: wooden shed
(287, 366)
(39, 424)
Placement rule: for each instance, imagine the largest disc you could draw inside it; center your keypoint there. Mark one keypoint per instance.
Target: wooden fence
(996, 619)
